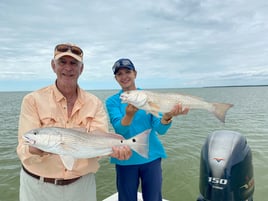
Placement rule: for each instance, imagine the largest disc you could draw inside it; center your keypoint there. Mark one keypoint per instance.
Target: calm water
(183, 142)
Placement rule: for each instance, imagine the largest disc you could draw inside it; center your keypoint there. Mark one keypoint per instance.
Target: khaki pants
(31, 189)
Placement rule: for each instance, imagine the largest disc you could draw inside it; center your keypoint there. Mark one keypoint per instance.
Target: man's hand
(34, 150)
(121, 153)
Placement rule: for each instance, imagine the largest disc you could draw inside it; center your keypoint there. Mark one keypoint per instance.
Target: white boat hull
(115, 196)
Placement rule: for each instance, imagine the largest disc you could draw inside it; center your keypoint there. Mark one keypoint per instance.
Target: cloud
(183, 43)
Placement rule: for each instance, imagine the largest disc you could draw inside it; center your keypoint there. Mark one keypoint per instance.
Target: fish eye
(134, 140)
(35, 132)
(121, 141)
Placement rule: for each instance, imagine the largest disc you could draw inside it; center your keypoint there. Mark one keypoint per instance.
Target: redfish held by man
(71, 144)
(156, 103)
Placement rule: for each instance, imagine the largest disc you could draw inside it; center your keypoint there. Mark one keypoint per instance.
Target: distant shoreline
(236, 86)
(165, 88)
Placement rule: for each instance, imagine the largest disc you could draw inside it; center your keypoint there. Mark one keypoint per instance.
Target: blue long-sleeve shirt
(141, 122)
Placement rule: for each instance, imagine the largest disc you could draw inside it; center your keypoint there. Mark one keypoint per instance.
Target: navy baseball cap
(123, 63)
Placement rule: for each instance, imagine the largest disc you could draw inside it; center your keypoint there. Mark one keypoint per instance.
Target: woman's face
(126, 78)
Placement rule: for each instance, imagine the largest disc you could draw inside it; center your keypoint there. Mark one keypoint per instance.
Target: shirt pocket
(49, 122)
(85, 122)
(50, 119)
(50, 115)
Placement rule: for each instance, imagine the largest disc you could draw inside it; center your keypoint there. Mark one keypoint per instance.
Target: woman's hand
(130, 112)
(177, 110)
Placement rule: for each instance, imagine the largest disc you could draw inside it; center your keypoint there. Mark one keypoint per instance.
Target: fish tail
(221, 109)
(140, 143)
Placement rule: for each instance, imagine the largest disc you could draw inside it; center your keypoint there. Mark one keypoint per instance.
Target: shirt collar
(59, 96)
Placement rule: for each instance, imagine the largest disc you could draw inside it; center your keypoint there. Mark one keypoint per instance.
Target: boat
(114, 197)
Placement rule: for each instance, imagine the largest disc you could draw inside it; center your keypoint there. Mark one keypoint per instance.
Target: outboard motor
(226, 171)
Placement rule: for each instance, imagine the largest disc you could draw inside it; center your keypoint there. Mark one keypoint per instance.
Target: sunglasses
(65, 48)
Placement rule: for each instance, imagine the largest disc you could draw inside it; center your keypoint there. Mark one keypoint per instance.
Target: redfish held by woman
(156, 103)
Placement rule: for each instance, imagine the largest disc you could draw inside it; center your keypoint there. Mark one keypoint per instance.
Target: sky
(172, 43)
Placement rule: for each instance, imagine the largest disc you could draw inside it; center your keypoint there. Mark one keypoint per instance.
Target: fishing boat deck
(114, 197)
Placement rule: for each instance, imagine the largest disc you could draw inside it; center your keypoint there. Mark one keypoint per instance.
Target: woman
(128, 121)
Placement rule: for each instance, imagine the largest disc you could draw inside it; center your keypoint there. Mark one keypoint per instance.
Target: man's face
(67, 69)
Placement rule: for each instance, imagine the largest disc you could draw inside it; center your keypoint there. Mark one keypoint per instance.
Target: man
(63, 104)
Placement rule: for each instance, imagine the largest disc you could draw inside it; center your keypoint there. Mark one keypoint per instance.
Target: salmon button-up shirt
(47, 107)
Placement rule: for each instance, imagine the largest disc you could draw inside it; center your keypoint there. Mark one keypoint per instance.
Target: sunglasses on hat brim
(65, 48)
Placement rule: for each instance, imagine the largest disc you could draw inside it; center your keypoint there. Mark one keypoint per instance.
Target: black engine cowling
(226, 171)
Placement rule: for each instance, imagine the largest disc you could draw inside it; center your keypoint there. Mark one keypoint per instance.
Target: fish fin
(140, 143)
(220, 110)
(153, 105)
(68, 161)
(154, 108)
